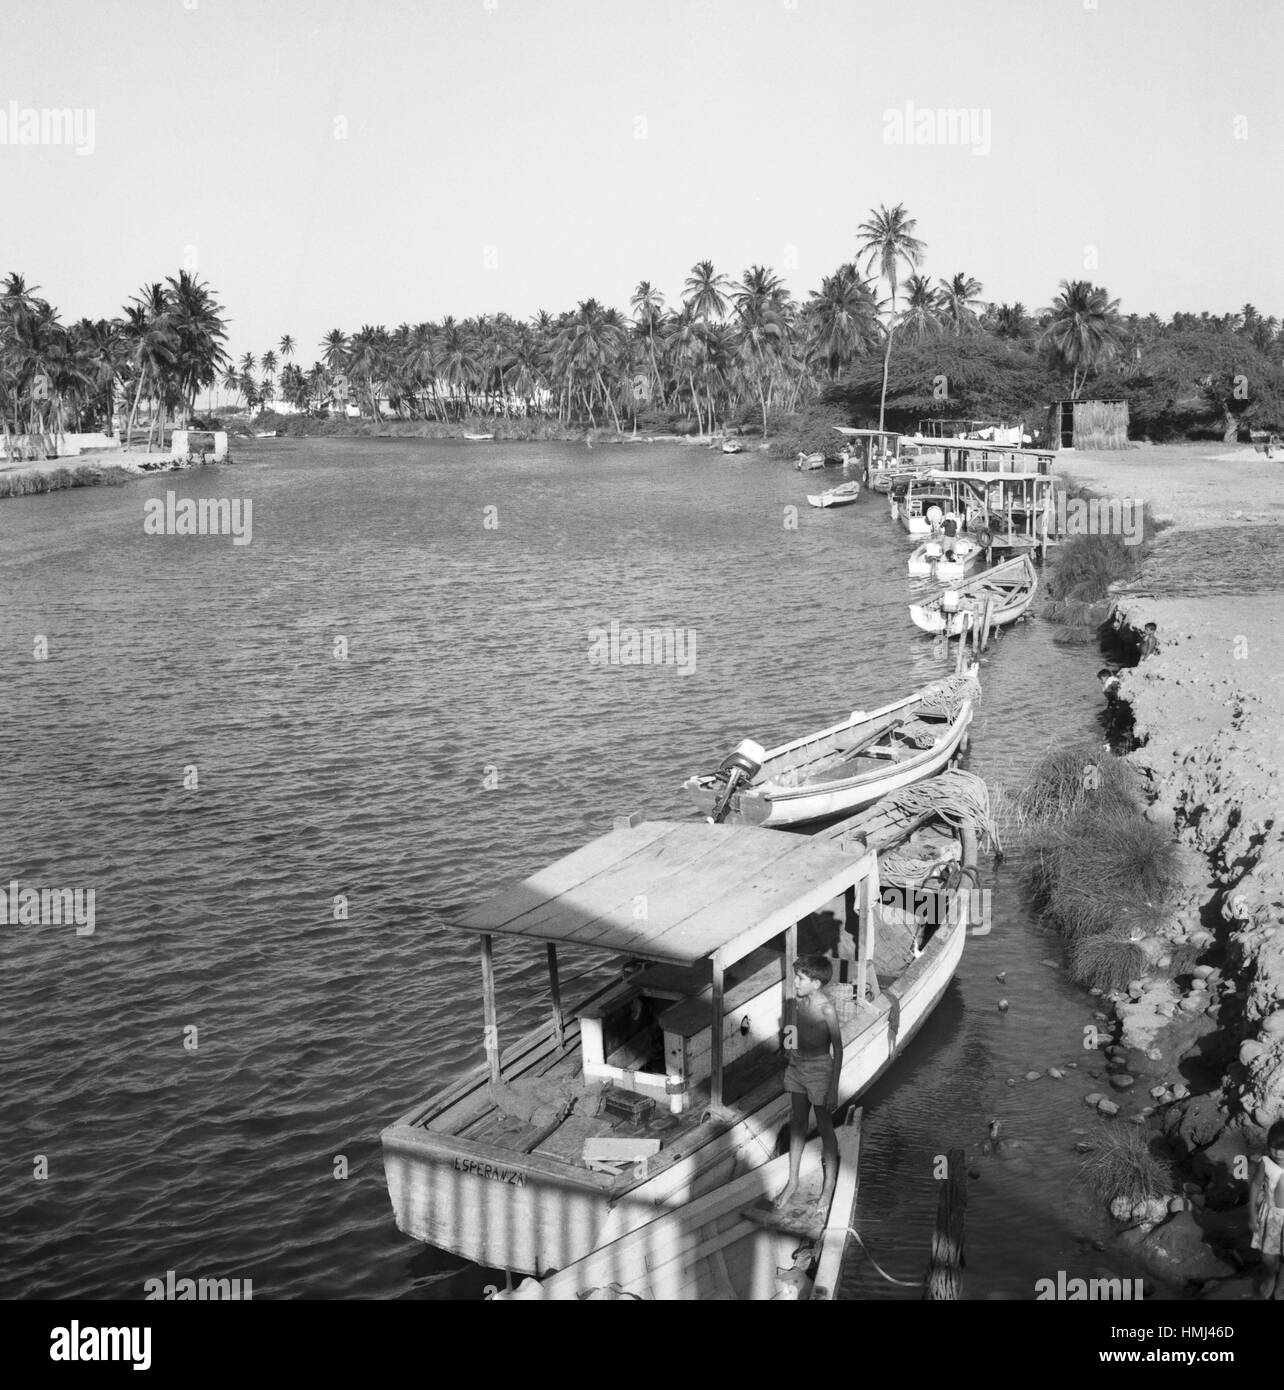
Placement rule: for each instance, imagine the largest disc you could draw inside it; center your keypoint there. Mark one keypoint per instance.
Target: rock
(1217, 1165)
(1135, 989)
(1121, 1209)
(1201, 1123)
(1155, 1054)
(1158, 1092)
(1176, 1204)
(1011, 1080)
(1273, 1025)
(1055, 964)
(1202, 972)
(1003, 1006)
(1107, 1107)
(1055, 1073)
(1164, 962)
(1094, 1099)
(1033, 1075)
(1175, 1252)
(1192, 1004)
(1250, 1050)
(1121, 1081)
(1180, 1090)
(1001, 976)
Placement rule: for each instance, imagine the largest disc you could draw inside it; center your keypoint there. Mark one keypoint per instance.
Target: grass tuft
(1106, 962)
(1119, 1163)
(1068, 779)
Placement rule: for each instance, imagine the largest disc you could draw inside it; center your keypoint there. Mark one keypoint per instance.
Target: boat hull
(773, 806)
(530, 1215)
(922, 566)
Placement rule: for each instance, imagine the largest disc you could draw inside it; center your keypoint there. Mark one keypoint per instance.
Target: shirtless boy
(811, 1078)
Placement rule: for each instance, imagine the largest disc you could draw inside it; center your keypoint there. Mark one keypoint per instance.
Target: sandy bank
(1193, 486)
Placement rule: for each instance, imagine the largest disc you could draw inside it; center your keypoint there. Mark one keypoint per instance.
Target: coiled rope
(891, 1278)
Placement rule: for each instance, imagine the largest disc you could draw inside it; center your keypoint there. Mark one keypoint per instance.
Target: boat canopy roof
(865, 434)
(677, 891)
(985, 446)
(943, 476)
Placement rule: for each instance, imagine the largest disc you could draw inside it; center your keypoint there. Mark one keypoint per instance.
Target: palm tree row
(55, 378)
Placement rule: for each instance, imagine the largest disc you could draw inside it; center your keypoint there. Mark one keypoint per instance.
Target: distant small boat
(945, 557)
(479, 436)
(266, 434)
(807, 462)
(1008, 590)
(841, 496)
(732, 446)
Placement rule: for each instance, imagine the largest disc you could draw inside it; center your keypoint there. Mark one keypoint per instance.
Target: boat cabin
(707, 917)
(1010, 511)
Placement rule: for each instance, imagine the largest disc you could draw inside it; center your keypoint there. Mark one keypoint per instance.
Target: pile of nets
(945, 698)
(959, 798)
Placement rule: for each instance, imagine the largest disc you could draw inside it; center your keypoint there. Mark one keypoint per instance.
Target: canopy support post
(715, 1039)
(555, 990)
(865, 947)
(491, 1033)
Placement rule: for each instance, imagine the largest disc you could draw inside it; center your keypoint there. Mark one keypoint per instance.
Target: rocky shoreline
(1196, 1044)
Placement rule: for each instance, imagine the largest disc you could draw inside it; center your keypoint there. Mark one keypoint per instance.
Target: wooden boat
(809, 462)
(1006, 591)
(730, 1245)
(943, 557)
(528, 1164)
(841, 496)
(844, 767)
(924, 504)
(732, 446)
(477, 437)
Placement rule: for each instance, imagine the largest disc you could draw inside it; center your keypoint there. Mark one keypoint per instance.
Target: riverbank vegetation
(1103, 874)
(95, 374)
(25, 483)
(879, 341)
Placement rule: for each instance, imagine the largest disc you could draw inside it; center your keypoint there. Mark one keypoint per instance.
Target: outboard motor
(741, 766)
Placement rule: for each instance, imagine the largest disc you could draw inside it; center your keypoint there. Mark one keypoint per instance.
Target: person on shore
(1109, 686)
(811, 1076)
(1266, 1206)
(1149, 641)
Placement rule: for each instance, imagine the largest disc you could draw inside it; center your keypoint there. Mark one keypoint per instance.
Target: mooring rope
(891, 1278)
(958, 797)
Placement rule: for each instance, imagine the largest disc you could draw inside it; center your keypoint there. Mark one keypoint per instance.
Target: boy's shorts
(809, 1076)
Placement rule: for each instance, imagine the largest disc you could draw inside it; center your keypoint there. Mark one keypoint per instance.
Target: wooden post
(865, 945)
(555, 989)
(491, 1033)
(791, 955)
(985, 626)
(944, 1281)
(847, 936)
(715, 1039)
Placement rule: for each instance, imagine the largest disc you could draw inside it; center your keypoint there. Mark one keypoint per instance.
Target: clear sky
(527, 154)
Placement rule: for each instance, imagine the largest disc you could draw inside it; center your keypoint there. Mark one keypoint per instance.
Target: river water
(386, 705)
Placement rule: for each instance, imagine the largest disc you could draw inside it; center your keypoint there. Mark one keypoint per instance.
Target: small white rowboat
(841, 496)
(1006, 592)
(844, 767)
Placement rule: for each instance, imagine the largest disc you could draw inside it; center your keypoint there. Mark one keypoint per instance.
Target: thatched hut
(1088, 424)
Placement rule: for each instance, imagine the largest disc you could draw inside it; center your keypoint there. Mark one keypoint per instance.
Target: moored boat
(841, 496)
(667, 1080)
(809, 462)
(844, 767)
(945, 557)
(732, 446)
(477, 437)
(1004, 593)
(731, 1245)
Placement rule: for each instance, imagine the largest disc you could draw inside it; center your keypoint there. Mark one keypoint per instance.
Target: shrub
(1066, 778)
(1120, 1165)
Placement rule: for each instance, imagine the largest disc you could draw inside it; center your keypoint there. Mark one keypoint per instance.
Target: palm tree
(886, 239)
(648, 310)
(1011, 321)
(154, 346)
(763, 331)
(922, 318)
(286, 345)
(842, 320)
(956, 298)
(706, 291)
(268, 363)
(1084, 331)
